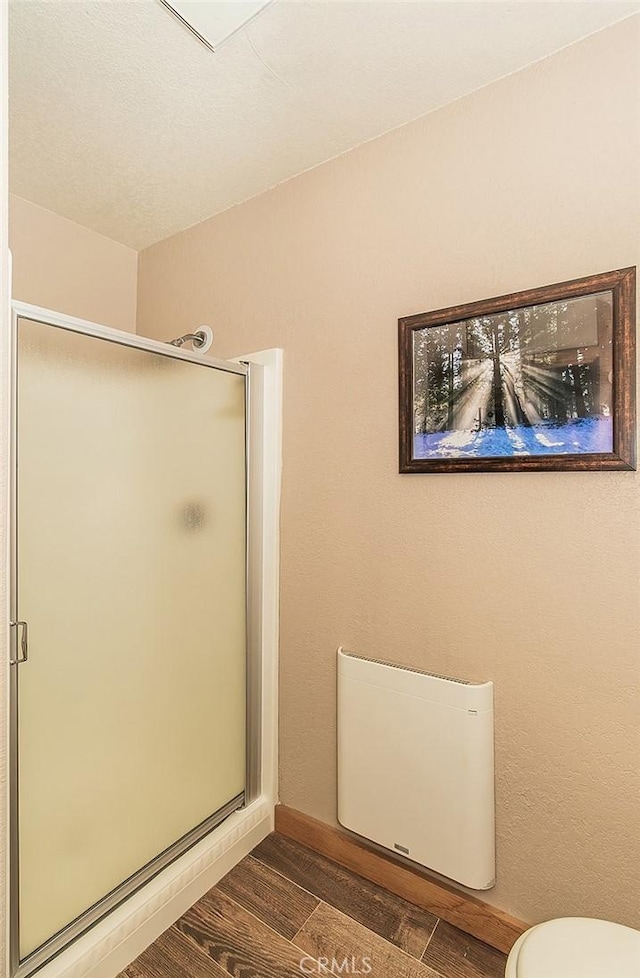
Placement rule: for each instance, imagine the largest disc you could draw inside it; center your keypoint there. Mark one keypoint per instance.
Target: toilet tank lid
(580, 947)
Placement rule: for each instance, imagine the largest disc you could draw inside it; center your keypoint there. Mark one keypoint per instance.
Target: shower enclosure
(133, 695)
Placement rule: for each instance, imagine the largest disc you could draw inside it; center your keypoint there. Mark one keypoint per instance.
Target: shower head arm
(198, 339)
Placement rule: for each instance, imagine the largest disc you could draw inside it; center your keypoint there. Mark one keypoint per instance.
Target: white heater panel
(415, 766)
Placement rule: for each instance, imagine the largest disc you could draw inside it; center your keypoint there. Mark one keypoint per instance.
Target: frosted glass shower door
(131, 556)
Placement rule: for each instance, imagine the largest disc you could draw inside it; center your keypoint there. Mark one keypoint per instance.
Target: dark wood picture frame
(470, 327)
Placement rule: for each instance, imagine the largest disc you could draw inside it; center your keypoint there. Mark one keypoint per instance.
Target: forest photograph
(536, 380)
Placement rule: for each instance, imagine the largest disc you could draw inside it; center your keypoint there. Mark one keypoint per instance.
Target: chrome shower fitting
(201, 340)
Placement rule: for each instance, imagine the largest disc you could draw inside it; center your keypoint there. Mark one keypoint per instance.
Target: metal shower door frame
(253, 625)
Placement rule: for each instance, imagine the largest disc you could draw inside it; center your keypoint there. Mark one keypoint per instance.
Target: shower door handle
(23, 654)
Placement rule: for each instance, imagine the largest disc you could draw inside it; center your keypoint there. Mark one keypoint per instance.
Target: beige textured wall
(530, 579)
(63, 266)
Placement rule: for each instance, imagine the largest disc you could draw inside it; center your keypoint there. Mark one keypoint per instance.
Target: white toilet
(576, 947)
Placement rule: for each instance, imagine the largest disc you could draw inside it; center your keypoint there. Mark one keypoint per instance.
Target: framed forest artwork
(543, 379)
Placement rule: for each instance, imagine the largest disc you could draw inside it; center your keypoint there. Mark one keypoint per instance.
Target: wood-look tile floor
(285, 911)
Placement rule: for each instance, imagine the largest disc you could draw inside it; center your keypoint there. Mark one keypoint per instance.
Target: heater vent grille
(418, 672)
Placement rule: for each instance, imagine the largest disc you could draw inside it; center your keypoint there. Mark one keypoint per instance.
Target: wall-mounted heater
(415, 766)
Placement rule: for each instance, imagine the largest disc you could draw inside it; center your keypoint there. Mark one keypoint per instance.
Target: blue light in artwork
(575, 437)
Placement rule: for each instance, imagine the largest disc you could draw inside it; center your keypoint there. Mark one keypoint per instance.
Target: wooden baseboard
(481, 920)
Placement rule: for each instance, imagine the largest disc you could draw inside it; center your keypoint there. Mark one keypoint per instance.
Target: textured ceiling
(124, 122)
